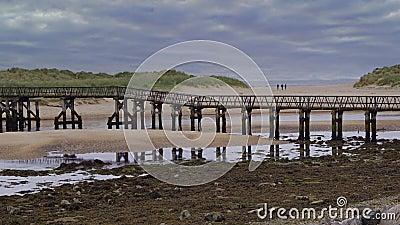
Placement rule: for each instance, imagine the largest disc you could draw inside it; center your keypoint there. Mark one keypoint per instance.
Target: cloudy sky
(289, 40)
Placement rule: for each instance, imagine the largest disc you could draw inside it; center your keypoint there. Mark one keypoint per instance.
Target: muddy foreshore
(371, 172)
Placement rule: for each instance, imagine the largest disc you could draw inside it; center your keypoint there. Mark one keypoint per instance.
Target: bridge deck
(376, 103)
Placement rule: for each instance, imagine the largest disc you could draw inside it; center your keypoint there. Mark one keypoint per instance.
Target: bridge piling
(271, 122)
(307, 124)
(137, 107)
(370, 126)
(156, 112)
(340, 125)
(68, 103)
(176, 114)
(337, 124)
(195, 114)
(301, 125)
(120, 155)
(367, 126)
(373, 126)
(220, 115)
(304, 124)
(246, 121)
(277, 115)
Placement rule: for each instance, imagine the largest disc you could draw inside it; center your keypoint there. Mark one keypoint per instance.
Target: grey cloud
(288, 39)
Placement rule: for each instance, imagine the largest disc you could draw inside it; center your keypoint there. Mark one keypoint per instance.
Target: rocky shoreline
(370, 173)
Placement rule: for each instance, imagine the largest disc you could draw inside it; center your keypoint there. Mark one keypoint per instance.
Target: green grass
(386, 76)
(17, 77)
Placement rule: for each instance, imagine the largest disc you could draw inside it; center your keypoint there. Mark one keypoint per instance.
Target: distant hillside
(17, 77)
(386, 76)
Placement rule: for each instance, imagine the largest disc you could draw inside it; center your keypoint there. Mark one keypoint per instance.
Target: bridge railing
(378, 103)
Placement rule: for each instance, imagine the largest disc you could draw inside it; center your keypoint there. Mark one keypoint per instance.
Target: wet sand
(30, 145)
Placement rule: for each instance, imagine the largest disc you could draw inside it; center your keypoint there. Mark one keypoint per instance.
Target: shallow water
(15, 185)
(10, 185)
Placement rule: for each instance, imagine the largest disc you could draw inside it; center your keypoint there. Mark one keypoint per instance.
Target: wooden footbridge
(19, 108)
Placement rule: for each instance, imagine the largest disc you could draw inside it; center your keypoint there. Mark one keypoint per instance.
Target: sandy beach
(36, 144)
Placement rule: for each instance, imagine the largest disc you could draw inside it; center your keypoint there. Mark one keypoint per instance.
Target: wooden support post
(192, 119)
(271, 122)
(277, 112)
(223, 117)
(28, 115)
(20, 113)
(200, 153)
(64, 113)
(180, 153)
(193, 153)
(138, 107)
(199, 118)
(249, 132)
(249, 152)
(37, 118)
(134, 114)
(126, 113)
(154, 155)
(218, 120)
(367, 126)
(142, 156)
(373, 126)
(244, 119)
(277, 153)
(271, 151)
(340, 125)
(334, 134)
(307, 124)
(301, 125)
(244, 153)
(301, 151)
(308, 150)
(180, 120)
(153, 115)
(159, 111)
(174, 115)
(72, 106)
(195, 113)
(217, 153)
(224, 154)
(174, 155)
(11, 116)
(160, 154)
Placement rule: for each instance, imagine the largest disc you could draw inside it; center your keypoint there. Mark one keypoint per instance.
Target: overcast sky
(289, 40)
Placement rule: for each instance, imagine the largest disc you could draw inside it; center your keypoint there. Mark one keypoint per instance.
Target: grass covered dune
(17, 77)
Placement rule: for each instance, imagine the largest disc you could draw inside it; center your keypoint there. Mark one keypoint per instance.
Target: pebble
(154, 195)
(214, 217)
(65, 202)
(300, 197)
(185, 214)
(317, 202)
(13, 210)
